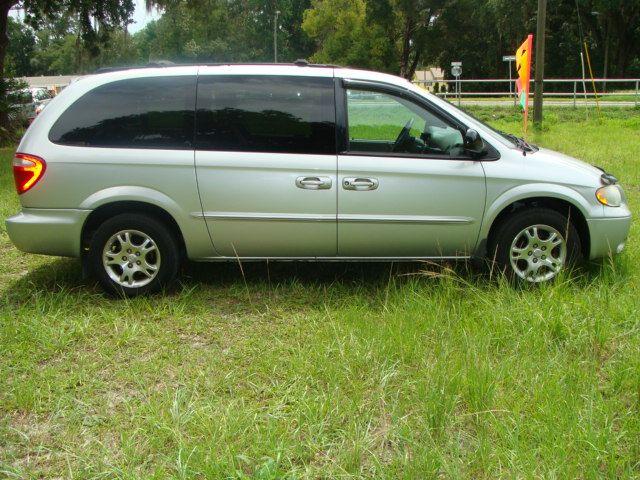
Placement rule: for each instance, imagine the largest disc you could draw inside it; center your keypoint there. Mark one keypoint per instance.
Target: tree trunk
(605, 69)
(406, 47)
(624, 24)
(5, 6)
(414, 64)
(622, 56)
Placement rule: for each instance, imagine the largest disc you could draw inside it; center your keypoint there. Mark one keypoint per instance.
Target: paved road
(501, 103)
(549, 103)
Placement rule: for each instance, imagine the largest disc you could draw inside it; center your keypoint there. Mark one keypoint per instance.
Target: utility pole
(275, 37)
(540, 30)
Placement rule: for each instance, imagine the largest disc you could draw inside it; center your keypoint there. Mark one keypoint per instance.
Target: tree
(20, 50)
(409, 25)
(106, 14)
(341, 34)
(344, 35)
(610, 27)
(389, 35)
(225, 31)
(619, 33)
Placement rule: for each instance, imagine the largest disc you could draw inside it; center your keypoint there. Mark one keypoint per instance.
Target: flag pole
(593, 82)
(584, 85)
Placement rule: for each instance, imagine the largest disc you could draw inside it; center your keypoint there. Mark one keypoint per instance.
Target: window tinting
(152, 112)
(266, 114)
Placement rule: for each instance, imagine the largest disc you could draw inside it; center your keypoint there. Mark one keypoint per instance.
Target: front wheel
(132, 254)
(534, 245)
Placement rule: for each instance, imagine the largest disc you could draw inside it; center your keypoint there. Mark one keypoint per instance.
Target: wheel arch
(111, 209)
(561, 205)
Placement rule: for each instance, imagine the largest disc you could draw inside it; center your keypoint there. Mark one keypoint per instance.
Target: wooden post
(539, 76)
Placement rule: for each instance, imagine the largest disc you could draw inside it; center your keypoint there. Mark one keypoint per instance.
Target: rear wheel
(534, 245)
(133, 254)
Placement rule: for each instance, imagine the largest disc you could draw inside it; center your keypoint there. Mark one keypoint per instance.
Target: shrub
(13, 104)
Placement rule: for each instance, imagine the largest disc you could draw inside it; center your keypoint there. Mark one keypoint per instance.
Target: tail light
(27, 170)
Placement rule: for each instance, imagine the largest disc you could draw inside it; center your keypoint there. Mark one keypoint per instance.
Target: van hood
(565, 168)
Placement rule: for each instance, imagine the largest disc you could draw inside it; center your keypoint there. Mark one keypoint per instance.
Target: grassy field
(340, 371)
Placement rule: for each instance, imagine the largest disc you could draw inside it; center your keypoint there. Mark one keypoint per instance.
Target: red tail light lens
(27, 170)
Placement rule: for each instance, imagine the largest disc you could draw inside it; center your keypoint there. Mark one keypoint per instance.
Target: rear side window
(155, 112)
(266, 114)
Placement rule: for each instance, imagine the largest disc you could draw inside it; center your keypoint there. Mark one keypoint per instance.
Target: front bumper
(608, 235)
(47, 231)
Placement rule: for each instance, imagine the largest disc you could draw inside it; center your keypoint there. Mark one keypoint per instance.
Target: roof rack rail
(301, 62)
(154, 64)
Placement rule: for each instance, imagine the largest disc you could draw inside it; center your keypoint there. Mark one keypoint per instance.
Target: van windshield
(508, 137)
(512, 139)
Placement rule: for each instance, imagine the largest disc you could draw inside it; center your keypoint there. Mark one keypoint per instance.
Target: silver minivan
(136, 170)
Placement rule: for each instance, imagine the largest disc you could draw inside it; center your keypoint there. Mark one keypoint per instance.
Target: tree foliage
(223, 31)
(393, 35)
(342, 36)
(389, 35)
(21, 49)
(106, 15)
(396, 36)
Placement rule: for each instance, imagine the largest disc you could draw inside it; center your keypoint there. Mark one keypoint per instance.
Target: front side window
(155, 112)
(266, 114)
(387, 124)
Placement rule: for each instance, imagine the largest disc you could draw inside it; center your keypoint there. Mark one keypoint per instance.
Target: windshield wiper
(519, 142)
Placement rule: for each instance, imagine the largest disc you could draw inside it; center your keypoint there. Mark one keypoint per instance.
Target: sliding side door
(266, 164)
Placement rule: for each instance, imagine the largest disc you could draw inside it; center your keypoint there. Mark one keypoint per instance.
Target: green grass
(339, 371)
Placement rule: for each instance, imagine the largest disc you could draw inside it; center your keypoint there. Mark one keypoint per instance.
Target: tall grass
(335, 371)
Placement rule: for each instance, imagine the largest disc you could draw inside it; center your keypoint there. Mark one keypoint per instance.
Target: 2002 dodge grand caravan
(136, 169)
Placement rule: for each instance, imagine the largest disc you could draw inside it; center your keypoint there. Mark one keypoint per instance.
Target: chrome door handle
(359, 183)
(314, 183)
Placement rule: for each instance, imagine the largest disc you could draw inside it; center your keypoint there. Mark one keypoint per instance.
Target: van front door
(266, 164)
(407, 189)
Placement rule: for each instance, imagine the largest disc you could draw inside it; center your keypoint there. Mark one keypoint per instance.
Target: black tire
(499, 251)
(165, 257)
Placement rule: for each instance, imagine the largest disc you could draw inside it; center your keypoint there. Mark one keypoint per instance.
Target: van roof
(299, 68)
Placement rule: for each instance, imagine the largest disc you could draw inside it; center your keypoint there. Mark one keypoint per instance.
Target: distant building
(431, 79)
(53, 83)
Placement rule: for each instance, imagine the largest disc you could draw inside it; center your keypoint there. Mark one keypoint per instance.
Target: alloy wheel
(131, 258)
(538, 253)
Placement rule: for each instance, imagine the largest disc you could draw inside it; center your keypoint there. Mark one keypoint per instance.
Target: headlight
(609, 195)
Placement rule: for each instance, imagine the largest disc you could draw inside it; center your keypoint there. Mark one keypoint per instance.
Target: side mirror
(473, 143)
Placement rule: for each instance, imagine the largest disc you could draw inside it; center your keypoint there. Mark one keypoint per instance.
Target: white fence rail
(578, 88)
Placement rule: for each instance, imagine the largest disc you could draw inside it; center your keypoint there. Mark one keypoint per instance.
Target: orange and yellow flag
(524, 54)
